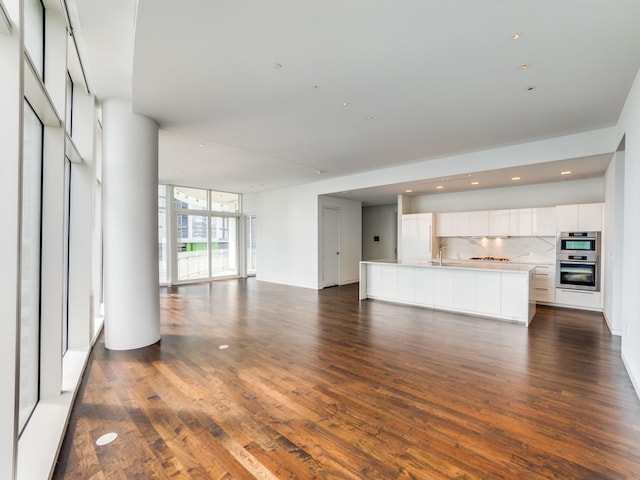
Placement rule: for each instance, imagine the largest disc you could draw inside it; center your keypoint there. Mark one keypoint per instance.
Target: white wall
(542, 195)
(350, 237)
(287, 235)
(613, 243)
(629, 127)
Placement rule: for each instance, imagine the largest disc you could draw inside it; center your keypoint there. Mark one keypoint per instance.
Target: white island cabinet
(499, 291)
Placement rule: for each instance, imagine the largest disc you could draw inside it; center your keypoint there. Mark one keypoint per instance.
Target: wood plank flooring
(319, 385)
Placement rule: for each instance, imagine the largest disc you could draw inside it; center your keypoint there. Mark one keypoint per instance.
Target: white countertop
(469, 265)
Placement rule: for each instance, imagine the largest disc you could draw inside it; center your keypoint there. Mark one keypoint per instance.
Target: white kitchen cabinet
(501, 291)
(590, 217)
(479, 223)
(417, 237)
(382, 281)
(424, 287)
(455, 224)
(567, 218)
(520, 222)
(498, 223)
(461, 224)
(543, 222)
(443, 280)
(464, 290)
(374, 280)
(579, 298)
(488, 292)
(444, 224)
(581, 217)
(544, 283)
(406, 284)
(514, 300)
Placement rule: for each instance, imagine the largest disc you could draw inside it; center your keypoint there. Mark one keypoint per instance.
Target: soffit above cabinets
(580, 168)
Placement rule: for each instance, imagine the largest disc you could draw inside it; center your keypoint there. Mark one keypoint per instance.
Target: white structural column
(130, 227)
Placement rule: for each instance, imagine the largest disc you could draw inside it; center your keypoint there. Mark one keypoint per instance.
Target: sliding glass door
(206, 225)
(192, 250)
(224, 246)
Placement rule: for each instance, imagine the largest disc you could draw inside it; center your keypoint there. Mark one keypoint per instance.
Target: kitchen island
(496, 290)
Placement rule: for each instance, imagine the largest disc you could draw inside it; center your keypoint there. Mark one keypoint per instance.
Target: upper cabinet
(479, 223)
(483, 223)
(455, 224)
(498, 223)
(520, 223)
(532, 222)
(543, 222)
(582, 217)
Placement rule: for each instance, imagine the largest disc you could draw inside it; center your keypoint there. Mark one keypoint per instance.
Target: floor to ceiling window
(65, 259)
(34, 33)
(205, 234)
(163, 263)
(250, 243)
(30, 264)
(192, 252)
(50, 251)
(224, 243)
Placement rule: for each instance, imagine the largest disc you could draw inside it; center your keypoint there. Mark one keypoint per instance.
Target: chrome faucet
(440, 257)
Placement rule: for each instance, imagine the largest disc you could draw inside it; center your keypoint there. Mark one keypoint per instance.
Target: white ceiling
(231, 83)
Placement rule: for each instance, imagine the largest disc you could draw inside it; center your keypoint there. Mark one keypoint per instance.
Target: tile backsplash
(523, 249)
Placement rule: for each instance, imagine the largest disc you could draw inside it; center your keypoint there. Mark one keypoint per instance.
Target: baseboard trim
(634, 381)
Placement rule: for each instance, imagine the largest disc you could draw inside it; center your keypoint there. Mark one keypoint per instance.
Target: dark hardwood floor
(319, 385)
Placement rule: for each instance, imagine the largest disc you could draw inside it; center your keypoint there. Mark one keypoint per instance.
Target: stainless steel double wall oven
(578, 261)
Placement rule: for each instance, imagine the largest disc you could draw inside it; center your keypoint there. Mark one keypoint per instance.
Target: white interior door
(330, 246)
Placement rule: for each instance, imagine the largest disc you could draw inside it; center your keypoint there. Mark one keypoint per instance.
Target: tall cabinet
(418, 238)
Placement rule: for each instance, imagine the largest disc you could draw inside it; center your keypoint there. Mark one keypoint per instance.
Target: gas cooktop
(491, 259)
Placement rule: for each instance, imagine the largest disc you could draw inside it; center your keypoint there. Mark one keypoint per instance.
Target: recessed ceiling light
(201, 145)
(515, 36)
(440, 187)
(515, 178)
(345, 104)
(566, 172)
(524, 66)
(475, 183)
(408, 190)
(315, 87)
(369, 117)
(277, 66)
